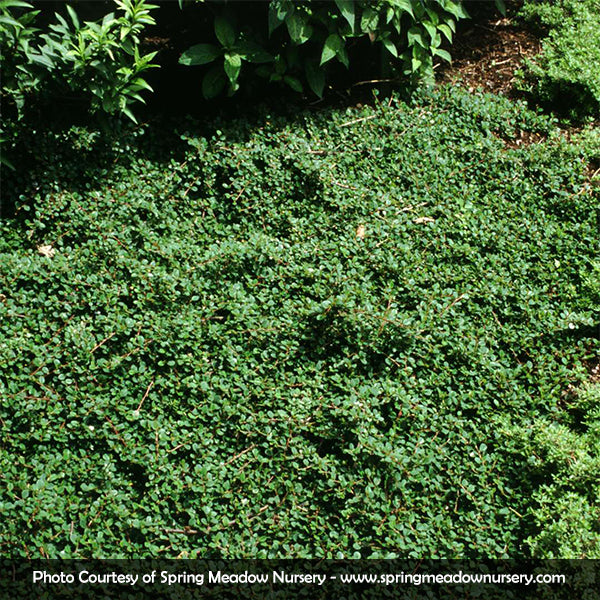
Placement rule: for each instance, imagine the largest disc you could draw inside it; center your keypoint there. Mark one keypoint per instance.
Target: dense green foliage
(304, 337)
(96, 61)
(297, 40)
(568, 511)
(59, 64)
(565, 74)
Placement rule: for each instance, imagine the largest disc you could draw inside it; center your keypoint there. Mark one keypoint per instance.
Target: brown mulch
(486, 55)
(525, 138)
(157, 42)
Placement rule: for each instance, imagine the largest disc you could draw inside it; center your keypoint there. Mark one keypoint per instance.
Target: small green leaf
(214, 82)
(278, 11)
(200, 54)
(346, 7)
(142, 84)
(4, 161)
(446, 31)
(431, 28)
(369, 20)
(416, 62)
(442, 54)
(280, 66)
(73, 16)
(274, 20)
(333, 45)
(10, 21)
(298, 28)
(5, 4)
(390, 47)
(390, 15)
(403, 5)
(293, 83)
(224, 32)
(456, 9)
(252, 52)
(233, 65)
(415, 35)
(433, 16)
(40, 59)
(315, 77)
(126, 111)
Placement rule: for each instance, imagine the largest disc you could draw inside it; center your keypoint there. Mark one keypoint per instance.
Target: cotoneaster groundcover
(341, 333)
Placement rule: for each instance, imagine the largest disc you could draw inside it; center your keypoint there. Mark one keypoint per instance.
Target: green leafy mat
(306, 337)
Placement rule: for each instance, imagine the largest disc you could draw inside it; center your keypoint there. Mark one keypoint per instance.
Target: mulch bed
(486, 55)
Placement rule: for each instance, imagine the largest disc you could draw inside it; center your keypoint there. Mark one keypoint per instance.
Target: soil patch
(487, 54)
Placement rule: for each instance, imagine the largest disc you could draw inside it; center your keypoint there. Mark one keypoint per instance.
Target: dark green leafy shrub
(97, 60)
(296, 41)
(297, 337)
(567, 457)
(565, 75)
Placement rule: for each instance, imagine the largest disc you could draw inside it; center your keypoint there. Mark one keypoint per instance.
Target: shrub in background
(97, 61)
(564, 452)
(565, 74)
(296, 41)
(97, 64)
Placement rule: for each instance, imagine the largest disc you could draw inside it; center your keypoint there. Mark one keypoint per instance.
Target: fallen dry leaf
(360, 232)
(46, 250)
(420, 220)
